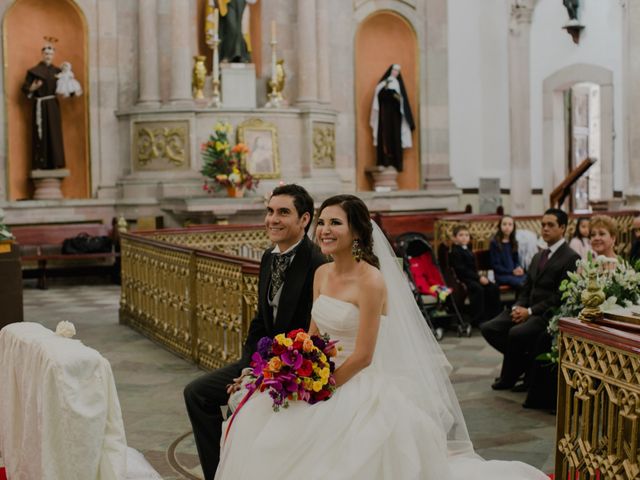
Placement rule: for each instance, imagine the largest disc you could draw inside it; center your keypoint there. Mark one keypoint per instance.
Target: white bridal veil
(408, 353)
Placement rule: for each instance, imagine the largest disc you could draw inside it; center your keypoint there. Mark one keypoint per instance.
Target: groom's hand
(237, 382)
(235, 386)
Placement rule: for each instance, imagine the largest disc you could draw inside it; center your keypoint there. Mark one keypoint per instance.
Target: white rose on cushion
(65, 329)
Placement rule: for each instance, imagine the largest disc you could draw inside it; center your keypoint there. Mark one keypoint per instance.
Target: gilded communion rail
(598, 401)
(193, 290)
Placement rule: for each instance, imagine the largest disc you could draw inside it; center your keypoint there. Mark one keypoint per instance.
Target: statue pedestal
(48, 182)
(238, 85)
(385, 179)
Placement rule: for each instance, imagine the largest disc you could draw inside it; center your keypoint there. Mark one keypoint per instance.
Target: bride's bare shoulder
(373, 280)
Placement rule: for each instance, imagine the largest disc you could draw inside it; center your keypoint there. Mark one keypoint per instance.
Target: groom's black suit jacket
(296, 299)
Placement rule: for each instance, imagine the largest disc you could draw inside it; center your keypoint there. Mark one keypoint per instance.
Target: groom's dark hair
(301, 200)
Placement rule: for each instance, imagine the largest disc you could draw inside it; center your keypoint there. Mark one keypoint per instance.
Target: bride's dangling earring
(356, 251)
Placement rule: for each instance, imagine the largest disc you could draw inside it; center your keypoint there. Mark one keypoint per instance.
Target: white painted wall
(552, 49)
(479, 88)
(478, 91)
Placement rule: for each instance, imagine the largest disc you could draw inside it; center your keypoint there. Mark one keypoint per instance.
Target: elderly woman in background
(603, 232)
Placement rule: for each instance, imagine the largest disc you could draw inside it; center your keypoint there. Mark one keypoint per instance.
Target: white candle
(216, 17)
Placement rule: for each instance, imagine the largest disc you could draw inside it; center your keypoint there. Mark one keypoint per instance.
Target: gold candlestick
(216, 102)
(198, 77)
(274, 96)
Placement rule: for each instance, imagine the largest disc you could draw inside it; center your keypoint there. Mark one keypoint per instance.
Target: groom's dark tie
(279, 264)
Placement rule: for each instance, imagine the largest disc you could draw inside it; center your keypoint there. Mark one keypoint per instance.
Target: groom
(285, 296)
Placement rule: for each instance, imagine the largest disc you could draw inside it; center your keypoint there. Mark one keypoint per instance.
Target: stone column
(180, 91)
(434, 119)
(324, 67)
(519, 116)
(631, 45)
(307, 53)
(149, 75)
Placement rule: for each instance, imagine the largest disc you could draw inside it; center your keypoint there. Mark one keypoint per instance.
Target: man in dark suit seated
(285, 297)
(514, 333)
(634, 255)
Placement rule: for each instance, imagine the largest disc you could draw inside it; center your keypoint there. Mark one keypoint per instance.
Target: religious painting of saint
(262, 140)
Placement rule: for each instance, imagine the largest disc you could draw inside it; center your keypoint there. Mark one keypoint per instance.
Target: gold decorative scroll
(161, 145)
(324, 145)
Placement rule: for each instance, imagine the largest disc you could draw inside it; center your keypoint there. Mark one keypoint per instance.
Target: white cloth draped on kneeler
(60, 416)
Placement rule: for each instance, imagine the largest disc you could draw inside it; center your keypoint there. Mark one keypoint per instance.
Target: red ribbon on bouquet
(255, 387)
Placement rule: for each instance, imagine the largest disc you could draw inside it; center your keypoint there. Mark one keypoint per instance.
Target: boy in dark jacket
(484, 296)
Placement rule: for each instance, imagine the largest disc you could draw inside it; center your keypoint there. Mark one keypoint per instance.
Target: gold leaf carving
(324, 145)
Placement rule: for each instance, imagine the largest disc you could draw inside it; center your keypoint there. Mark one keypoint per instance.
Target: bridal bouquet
(295, 366)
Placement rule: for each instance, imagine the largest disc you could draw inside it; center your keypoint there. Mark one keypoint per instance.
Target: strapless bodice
(340, 320)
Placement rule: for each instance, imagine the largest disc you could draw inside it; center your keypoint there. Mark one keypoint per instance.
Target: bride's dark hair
(359, 222)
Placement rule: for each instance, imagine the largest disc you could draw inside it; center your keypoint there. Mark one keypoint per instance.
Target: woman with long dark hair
(503, 254)
(394, 414)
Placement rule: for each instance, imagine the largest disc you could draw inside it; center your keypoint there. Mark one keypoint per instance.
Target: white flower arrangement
(618, 279)
(5, 234)
(65, 329)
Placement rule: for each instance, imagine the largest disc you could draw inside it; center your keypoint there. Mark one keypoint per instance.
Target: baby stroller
(432, 294)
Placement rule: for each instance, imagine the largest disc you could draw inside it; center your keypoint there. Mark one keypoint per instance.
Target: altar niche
(25, 23)
(395, 43)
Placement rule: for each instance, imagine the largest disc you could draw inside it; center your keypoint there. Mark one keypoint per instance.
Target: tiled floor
(150, 382)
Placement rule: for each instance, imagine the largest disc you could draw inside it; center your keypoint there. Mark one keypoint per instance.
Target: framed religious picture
(263, 159)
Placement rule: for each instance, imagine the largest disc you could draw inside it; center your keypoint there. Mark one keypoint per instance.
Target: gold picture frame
(263, 160)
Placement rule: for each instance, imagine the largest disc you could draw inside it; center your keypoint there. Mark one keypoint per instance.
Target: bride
(394, 414)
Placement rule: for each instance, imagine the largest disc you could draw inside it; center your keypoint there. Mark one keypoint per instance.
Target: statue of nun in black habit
(391, 119)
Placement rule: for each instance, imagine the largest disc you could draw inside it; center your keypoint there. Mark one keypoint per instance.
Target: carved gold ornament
(324, 145)
(592, 298)
(160, 147)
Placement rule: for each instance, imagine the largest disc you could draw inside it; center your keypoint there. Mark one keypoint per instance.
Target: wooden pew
(41, 251)
(394, 224)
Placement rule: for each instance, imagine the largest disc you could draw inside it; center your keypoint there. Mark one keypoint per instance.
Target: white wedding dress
(397, 419)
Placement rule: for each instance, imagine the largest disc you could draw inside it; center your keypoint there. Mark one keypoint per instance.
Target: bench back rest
(56, 234)
(397, 223)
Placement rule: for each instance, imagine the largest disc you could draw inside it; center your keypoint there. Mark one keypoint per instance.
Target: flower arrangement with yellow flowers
(5, 234)
(223, 165)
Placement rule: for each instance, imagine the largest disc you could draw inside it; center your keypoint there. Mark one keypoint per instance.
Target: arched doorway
(578, 122)
(26, 22)
(382, 39)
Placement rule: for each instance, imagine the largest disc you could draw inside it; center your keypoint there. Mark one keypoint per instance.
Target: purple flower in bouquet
(264, 346)
(292, 359)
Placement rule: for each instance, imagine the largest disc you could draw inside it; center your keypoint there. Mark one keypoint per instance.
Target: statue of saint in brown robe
(40, 87)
